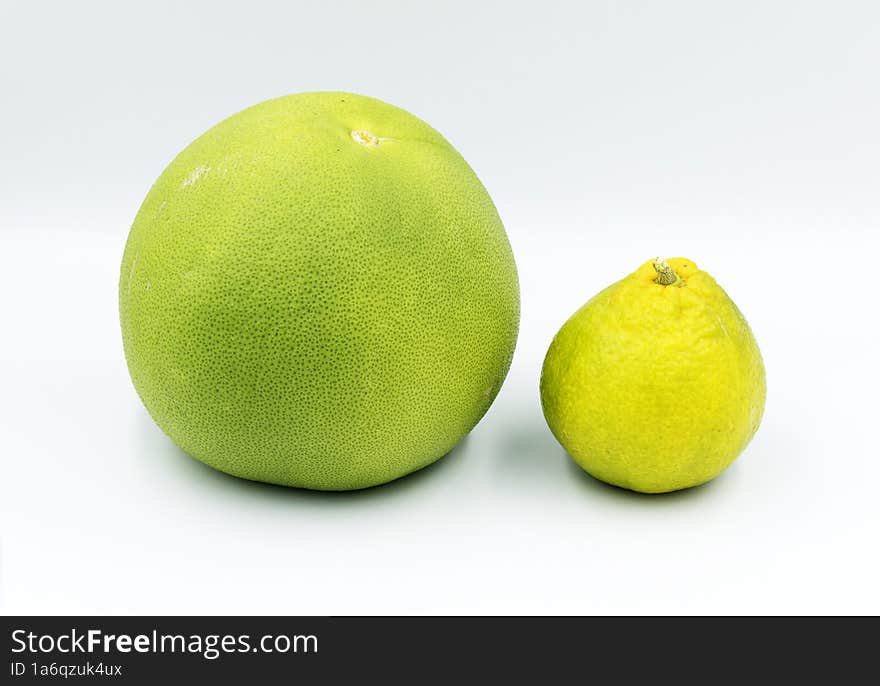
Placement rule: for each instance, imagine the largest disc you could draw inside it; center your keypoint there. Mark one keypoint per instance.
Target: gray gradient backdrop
(743, 135)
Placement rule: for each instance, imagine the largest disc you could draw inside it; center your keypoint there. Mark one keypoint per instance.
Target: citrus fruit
(657, 383)
(318, 292)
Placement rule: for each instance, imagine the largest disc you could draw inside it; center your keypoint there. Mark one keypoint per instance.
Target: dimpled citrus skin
(655, 387)
(308, 307)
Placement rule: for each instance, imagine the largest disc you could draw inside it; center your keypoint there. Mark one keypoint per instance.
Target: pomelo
(318, 292)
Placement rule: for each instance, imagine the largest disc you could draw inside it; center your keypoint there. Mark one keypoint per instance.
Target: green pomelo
(318, 292)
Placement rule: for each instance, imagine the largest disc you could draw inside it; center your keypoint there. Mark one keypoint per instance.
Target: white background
(742, 135)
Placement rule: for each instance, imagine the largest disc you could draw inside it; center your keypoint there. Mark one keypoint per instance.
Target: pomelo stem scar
(365, 137)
